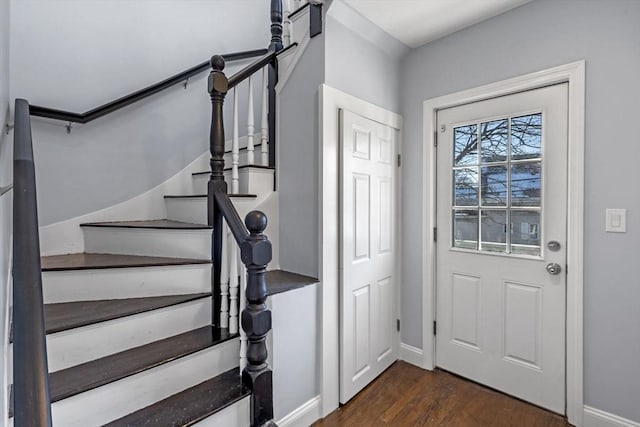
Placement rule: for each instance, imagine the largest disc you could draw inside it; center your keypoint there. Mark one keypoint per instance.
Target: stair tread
(84, 261)
(195, 196)
(279, 281)
(161, 224)
(69, 315)
(239, 167)
(189, 406)
(78, 379)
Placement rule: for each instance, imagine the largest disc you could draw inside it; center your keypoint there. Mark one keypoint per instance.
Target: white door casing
(500, 314)
(368, 280)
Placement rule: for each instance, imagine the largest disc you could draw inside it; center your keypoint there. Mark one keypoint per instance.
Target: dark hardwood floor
(405, 395)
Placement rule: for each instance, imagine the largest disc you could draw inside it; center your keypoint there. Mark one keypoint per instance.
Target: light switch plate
(616, 221)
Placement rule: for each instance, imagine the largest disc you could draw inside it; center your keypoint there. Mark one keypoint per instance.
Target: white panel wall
(78, 54)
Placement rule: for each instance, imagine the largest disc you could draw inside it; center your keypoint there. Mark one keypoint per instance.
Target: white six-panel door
(368, 338)
(501, 244)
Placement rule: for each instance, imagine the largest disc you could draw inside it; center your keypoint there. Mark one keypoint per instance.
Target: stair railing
(32, 405)
(255, 248)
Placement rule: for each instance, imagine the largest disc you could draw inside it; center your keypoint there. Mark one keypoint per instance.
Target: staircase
(143, 327)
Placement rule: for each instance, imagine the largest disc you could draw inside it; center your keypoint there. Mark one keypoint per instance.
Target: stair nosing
(199, 196)
(271, 168)
(148, 264)
(243, 393)
(188, 299)
(147, 367)
(122, 224)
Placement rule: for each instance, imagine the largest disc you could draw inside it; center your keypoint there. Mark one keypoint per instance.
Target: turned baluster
(251, 128)
(264, 128)
(217, 86)
(235, 147)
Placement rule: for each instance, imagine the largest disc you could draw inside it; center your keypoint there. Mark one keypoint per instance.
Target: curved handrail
(30, 372)
(110, 107)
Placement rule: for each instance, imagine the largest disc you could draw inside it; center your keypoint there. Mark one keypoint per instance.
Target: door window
(497, 185)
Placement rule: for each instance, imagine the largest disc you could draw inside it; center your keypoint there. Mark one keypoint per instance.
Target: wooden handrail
(230, 214)
(32, 405)
(110, 107)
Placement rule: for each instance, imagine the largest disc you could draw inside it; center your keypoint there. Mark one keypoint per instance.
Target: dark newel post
(276, 25)
(276, 45)
(256, 319)
(217, 87)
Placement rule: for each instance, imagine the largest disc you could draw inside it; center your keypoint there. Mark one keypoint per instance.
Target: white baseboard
(597, 418)
(411, 354)
(303, 416)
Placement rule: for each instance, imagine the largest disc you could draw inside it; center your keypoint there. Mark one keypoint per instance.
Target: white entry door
(368, 337)
(501, 243)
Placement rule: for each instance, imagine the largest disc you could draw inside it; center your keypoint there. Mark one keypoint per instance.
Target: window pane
(525, 184)
(525, 232)
(465, 229)
(526, 137)
(494, 185)
(466, 145)
(494, 141)
(494, 231)
(466, 187)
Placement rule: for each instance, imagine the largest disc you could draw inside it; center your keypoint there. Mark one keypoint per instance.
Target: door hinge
(435, 234)
(435, 328)
(398, 324)
(435, 139)
(399, 160)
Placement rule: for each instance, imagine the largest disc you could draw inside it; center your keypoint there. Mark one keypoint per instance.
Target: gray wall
(86, 53)
(536, 36)
(298, 162)
(361, 59)
(297, 169)
(6, 171)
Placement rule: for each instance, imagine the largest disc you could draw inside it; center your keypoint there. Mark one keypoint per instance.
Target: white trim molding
(411, 354)
(331, 102)
(574, 75)
(304, 415)
(596, 418)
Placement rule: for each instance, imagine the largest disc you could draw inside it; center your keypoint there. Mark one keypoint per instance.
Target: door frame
(331, 102)
(574, 75)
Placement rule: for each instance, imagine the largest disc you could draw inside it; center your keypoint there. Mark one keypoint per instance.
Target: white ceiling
(416, 22)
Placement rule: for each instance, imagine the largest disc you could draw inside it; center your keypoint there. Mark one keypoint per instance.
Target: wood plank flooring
(408, 396)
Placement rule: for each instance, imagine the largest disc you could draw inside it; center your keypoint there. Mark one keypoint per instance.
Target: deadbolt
(553, 246)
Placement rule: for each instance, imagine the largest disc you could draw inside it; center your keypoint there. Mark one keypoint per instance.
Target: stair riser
(151, 242)
(234, 415)
(134, 282)
(143, 389)
(243, 158)
(79, 345)
(250, 181)
(195, 209)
